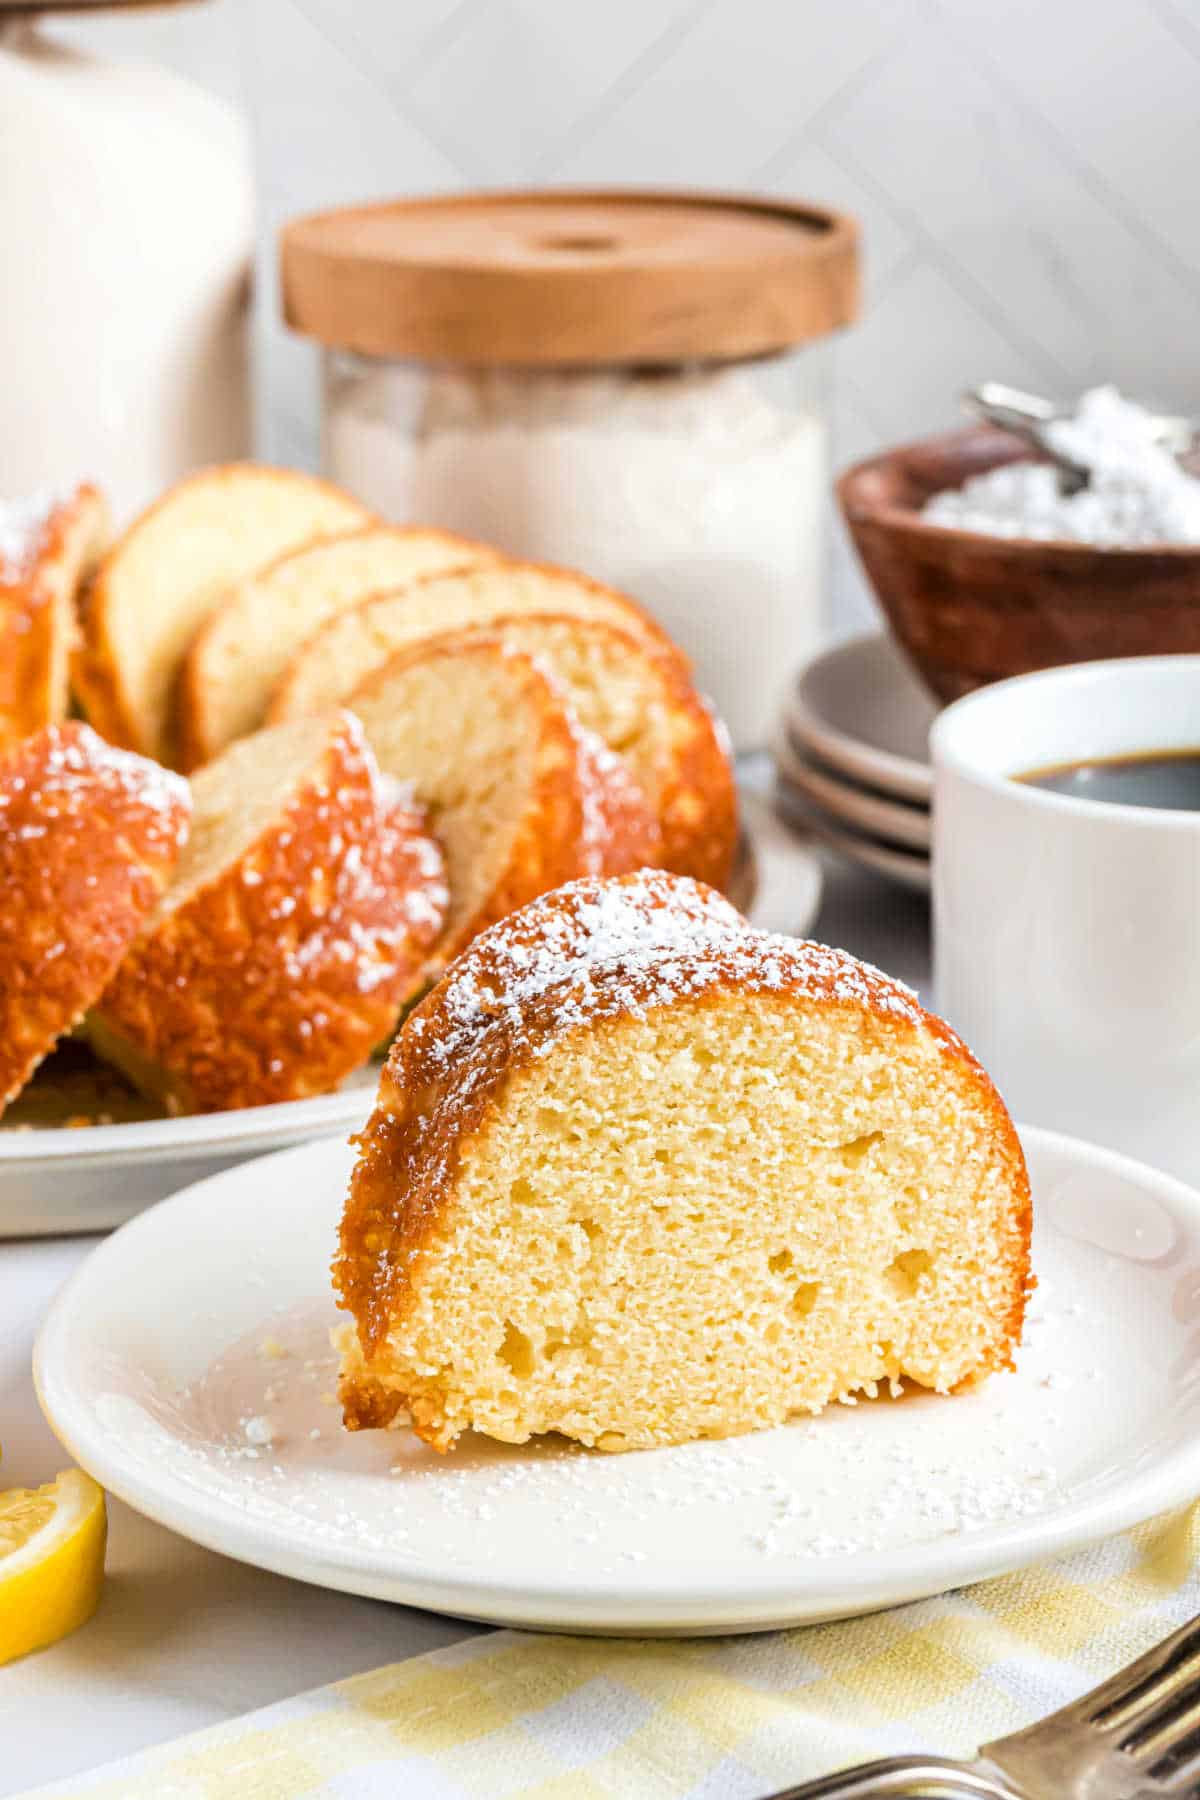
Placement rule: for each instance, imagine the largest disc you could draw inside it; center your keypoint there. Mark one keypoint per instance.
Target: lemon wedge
(51, 1561)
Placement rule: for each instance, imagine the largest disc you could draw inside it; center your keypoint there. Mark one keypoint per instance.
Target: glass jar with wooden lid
(628, 383)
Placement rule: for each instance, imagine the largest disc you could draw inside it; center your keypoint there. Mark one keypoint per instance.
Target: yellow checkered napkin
(518, 1714)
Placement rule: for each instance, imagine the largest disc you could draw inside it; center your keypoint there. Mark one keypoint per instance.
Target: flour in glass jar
(692, 489)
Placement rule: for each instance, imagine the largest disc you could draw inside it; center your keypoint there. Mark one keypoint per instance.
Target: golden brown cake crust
(89, 836)
(698, 809)
(619, 833)
(539, 977)
(39, 585)
(274, 980)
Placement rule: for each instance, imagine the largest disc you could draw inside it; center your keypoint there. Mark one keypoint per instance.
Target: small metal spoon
(1027, 416)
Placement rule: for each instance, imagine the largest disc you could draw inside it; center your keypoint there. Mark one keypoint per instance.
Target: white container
(127, 216)
(635, 386)
(1067, 931)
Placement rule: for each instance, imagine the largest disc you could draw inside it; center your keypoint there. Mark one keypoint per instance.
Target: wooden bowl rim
(906, 521)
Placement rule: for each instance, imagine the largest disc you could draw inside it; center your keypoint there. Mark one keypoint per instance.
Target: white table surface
(184, 1638)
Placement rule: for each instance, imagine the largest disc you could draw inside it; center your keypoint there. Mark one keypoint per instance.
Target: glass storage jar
(631, 385)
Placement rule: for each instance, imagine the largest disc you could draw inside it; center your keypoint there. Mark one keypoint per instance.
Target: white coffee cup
(1067, 931)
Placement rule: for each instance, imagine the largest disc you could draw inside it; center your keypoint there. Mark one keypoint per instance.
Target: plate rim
(908, 868)
(789, 879)
(888, 770)
(158, 1140)
(898, 822)
(762, 1600)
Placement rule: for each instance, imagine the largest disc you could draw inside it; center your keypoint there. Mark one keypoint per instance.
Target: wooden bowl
(969, 609)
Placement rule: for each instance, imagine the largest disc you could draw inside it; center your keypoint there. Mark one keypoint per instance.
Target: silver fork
(1136, 1737)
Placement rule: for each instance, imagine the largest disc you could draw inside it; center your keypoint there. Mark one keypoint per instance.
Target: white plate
(861, 709)
(788, 879)
(908, 868)
(898, 821)
(149, 1381)
(64, 1179)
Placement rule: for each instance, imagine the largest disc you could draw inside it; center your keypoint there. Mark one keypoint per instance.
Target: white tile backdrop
(1027, 171)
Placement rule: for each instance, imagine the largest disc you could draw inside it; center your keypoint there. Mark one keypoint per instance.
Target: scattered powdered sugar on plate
(211, 1402)
(1137, 494)
(261, 1431)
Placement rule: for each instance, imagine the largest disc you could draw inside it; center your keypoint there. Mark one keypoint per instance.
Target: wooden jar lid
(582, 277)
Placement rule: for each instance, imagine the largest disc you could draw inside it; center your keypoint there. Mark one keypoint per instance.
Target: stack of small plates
(852, 757)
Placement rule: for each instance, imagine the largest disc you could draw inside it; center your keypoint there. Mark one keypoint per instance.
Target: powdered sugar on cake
(596, 948)
(69, 764)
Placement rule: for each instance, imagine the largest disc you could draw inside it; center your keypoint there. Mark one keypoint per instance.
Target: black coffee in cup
(1165, 779)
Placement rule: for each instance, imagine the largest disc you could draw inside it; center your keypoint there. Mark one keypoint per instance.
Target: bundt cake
(165, 575)
(239, 655)
(639, 1174)
(296, 927)
(625, 682)
(337, 657)
(519, 795)
(48, 548)
(644, 707)
(89, 837)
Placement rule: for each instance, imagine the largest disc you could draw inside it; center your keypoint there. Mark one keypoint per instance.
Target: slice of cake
(167, 573)
(335, 659)
(239, 655)
(637, 701)
(297, 925)
(639, 1174)
(89, 837)
(627, 681)
(520, 796)
(49, 546)
(644, 707)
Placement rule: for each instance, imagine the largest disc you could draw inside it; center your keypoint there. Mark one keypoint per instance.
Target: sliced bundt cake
(48, 548)
(89, 837)
(165, 575)
(335, 659)
(622, 683)
(297, 925)
(239, 655)
(644, 707)
(639, 1174)
(519, 795)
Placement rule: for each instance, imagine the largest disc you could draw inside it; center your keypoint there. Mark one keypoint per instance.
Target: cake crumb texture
(624, 678)
(169, 571)
(520, 796)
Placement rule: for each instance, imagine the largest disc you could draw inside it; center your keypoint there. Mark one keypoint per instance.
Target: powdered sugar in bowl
(629, 384)
(986, 568)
